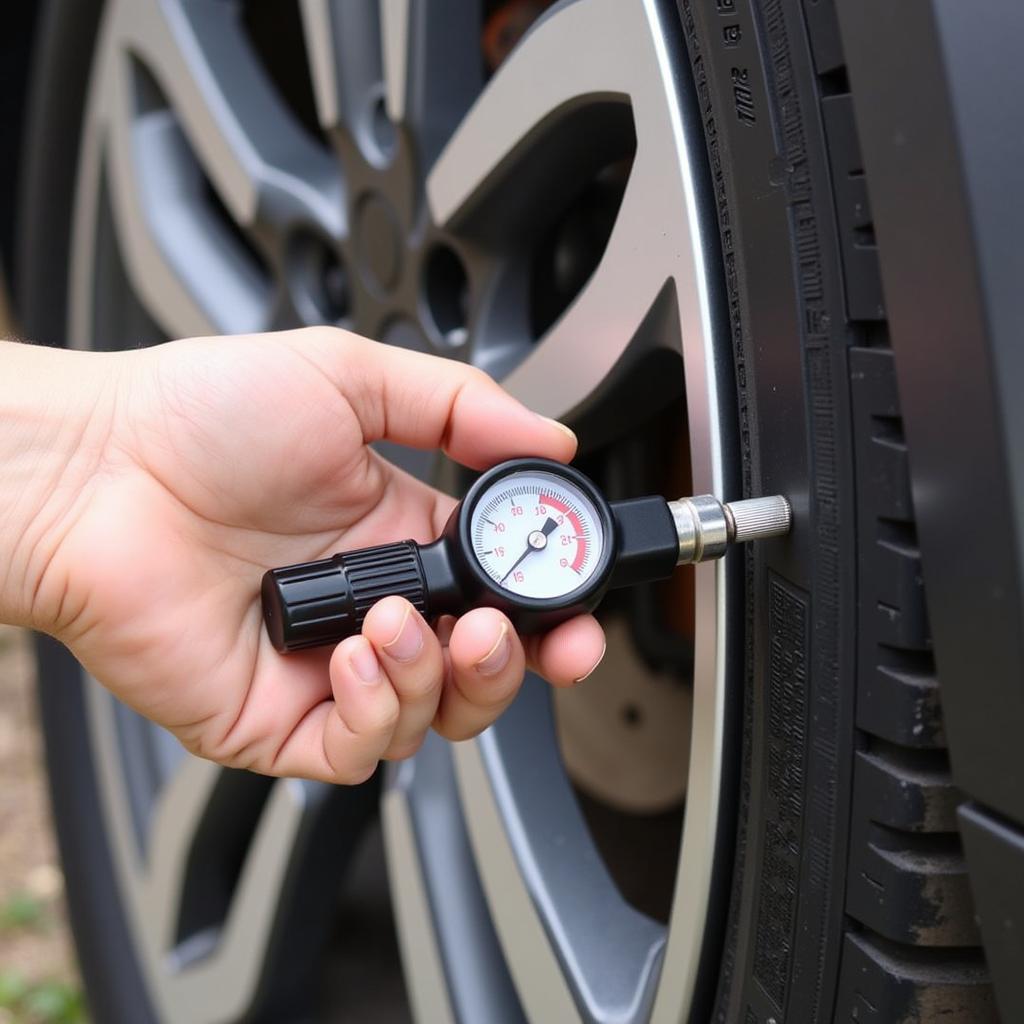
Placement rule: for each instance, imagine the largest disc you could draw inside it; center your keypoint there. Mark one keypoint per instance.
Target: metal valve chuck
(707, 526)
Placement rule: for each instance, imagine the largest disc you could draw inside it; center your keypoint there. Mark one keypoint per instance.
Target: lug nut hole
(318, 280)
(446, 288)
(382, 130)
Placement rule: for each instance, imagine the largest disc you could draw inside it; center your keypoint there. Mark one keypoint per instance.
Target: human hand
(202, 463)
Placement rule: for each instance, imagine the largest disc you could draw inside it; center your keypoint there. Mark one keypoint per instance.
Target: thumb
(428, 402)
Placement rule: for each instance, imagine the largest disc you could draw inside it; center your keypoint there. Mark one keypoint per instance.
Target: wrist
(56, 412)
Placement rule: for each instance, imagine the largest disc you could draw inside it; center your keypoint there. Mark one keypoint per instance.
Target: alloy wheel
(544, 216)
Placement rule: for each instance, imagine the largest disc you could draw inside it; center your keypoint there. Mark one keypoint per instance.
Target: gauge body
(532, 538)
(535, 539)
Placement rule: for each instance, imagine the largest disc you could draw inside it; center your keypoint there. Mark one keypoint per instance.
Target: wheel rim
(407, 210)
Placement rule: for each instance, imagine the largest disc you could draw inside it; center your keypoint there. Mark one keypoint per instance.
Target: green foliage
(54, 1003)
(43, 1002)
(22, 910)
(13, 988)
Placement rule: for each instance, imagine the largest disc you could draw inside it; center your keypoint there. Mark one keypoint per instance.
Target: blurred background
(38, 980)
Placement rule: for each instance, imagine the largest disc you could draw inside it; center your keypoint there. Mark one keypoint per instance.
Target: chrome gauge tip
(707, 526)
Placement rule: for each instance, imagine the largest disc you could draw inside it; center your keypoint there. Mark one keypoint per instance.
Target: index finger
(428, 402)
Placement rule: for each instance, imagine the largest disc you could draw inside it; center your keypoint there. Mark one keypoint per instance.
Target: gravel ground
(38, 979)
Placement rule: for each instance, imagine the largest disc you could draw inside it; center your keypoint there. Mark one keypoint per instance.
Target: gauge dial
(536, 534)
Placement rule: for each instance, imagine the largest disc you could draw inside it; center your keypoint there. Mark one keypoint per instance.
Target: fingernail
(587, 675)
(561, 426)
(497, 657)
(408, 641)
(364, 662)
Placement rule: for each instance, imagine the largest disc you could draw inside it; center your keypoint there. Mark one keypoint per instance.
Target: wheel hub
(378, 244)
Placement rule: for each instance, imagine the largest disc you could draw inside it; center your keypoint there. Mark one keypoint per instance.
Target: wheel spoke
(189, 116)
(601, 331)
(111, 180)
(190, 273)
(241, 948)
(432, 67)
(540, 93)
(344, 45)
(264, 168)
(543, 76)
(175, 820)
(587, 948)
(232, 904)
(394, 19)
(421, 961)
(453, 961)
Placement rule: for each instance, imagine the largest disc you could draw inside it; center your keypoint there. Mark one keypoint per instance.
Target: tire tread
(913, 952)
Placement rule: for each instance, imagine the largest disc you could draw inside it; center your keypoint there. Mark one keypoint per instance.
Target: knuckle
(404, 751)
(381, 719)
(419, 686)
(324, 334)
(357, 774)
(475, 375)
(492, 698)
(459, 732)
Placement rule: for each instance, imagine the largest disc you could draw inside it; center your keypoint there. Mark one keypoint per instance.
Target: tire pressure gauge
(543, 535)
(532, 537)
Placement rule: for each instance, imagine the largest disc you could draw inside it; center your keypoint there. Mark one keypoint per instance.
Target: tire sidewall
(786, 311)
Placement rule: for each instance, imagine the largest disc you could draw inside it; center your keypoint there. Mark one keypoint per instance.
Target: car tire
(838, 888)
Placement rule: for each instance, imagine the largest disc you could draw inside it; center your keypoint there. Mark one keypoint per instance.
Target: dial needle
(537, 541)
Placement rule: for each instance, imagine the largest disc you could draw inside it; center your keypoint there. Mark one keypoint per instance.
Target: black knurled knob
(322, 602)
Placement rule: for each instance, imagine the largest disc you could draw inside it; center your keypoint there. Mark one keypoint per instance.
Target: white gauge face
(536, 534)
